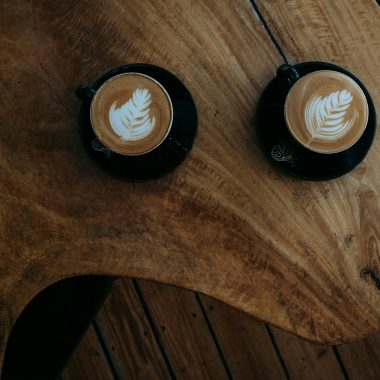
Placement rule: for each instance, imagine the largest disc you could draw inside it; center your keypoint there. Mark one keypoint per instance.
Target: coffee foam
(131, 121)
(326, 111)
(131, 113)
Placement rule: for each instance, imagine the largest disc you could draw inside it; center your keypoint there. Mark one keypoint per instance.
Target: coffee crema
(131, 113)
(326, 111)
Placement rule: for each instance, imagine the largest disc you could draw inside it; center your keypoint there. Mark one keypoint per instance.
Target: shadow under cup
(158, 160)
(284, 150)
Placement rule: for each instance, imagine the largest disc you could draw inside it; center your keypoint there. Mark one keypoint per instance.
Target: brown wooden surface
(126, 330)
(89, 361)
(361, 358)
(244, 341)
(183, 328)
(249, 349)
(225, 223)
(305, 360)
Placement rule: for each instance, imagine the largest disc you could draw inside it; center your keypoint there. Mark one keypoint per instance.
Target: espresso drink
(131, 114)
(326, 111)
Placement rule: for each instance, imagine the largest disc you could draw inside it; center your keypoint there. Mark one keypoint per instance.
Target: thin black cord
(276, 44)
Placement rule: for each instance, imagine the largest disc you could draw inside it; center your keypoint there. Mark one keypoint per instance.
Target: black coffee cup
(283, 150)
(163, 158)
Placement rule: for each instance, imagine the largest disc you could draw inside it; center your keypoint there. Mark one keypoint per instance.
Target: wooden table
(225, 223)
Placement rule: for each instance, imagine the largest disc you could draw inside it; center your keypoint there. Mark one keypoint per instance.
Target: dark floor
(152, 331)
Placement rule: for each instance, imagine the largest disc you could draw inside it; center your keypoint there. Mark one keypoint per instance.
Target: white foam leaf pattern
(131, 121)
(325, 116)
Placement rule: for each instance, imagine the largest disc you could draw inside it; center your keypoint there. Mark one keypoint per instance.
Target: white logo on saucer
(131, 121)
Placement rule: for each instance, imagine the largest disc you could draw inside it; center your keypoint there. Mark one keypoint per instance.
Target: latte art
(131, 114)
(325, 116)
(131, 121)
(326, 111)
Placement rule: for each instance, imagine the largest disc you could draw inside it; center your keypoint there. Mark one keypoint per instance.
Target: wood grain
(361, 358)
(88, 360)
(244, 341)
(183, 332)
(345, 211)
(128, 336)
(225, 223)
(304, 360)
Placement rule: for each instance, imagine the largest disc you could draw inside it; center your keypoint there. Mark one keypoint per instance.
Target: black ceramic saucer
(286, 153)
(167, 156)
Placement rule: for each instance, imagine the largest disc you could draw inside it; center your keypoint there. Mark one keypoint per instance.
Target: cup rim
(316, 150)
(164, 91)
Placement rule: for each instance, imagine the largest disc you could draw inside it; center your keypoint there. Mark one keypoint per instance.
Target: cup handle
(175, 146)
(289, 73)
(85, 93)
